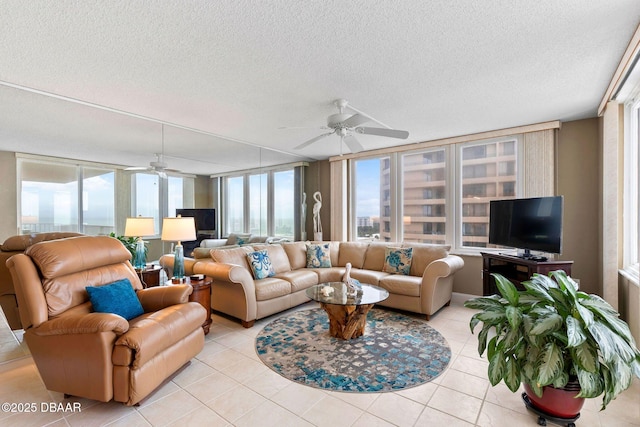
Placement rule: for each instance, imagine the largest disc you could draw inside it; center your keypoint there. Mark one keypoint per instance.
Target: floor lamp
(141, 226)
(178, 229)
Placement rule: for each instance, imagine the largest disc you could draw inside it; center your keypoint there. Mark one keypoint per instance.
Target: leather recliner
(100, 356)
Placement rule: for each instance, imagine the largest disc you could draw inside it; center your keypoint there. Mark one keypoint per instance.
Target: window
(284, 203)
(258, 204)
(160, 197)
(631, 201)
(371, 184)
(234, 206)
(262, 204)
(65, 197)
(440, 195)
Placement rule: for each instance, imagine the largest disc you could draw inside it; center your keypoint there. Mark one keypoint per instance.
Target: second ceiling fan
(345, 125)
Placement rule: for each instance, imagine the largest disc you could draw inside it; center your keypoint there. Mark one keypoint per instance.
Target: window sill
(631, 274)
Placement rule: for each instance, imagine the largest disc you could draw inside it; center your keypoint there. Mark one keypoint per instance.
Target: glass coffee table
(347, 314)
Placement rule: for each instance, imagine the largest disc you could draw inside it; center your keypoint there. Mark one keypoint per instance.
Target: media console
(516, 269)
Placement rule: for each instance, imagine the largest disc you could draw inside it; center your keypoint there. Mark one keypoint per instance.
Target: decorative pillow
(397, 260)
(117, 297)
(260, 264)
(238, 239)
(318, 256)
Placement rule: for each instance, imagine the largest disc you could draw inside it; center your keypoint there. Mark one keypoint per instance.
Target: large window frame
(452, 219)
(252, 206)
(83, 216)
(631, 187)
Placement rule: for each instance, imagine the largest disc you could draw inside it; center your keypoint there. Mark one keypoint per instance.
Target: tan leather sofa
(100, 356)
(12, 246)
(235, 292)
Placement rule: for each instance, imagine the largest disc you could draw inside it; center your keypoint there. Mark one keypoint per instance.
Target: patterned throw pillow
(260, 264)
(397, 260)
(318, 256)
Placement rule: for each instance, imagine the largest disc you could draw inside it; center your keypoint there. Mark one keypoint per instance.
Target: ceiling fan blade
(136, 168)
(356, 120)
(391, 133)
(352, 143)
(312, 140)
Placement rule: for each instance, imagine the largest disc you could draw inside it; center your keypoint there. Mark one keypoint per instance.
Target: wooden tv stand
(517, 270)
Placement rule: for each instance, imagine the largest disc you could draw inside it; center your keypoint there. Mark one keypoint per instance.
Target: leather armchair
(100, 356)
(12, 246)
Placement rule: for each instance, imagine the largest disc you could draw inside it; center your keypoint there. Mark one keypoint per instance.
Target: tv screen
(533, 224)
(205, 219)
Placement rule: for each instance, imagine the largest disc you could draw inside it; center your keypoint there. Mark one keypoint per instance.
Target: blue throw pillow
(397, 260)
(318, 256)
(118, 297)
(260, 264)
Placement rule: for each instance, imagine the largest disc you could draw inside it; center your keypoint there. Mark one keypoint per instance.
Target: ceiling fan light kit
(159, 166)
(345, 125)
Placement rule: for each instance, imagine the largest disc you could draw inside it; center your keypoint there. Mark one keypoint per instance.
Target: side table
(202, 294)
(150, 276)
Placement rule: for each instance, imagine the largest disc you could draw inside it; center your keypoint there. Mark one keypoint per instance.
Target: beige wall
(8, 195)
(318, 178)
(578, 162)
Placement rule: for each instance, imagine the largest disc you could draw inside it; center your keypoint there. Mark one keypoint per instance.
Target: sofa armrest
(213, 243)
(234, 277)
(437, 283)
(90, 323)
(159, 297)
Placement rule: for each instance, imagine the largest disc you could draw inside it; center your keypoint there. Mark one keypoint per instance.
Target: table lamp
(141, 226)
(178, 229)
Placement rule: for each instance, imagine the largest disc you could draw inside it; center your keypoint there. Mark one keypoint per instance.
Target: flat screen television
(533, 224)
(205, 219)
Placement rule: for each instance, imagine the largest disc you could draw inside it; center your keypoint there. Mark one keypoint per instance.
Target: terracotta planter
(558, 402)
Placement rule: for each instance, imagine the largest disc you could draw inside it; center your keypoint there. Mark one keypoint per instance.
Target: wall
(8, 195)
(579, 182)
(318, 178)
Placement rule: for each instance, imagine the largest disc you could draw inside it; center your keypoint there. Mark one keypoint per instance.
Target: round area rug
(395, 352)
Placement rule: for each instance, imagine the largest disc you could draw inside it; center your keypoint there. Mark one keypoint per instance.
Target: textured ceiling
(230, 74)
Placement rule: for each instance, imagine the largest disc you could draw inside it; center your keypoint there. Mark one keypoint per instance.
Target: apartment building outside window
(443, 194)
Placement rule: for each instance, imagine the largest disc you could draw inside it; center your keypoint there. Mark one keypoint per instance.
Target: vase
(558, 402)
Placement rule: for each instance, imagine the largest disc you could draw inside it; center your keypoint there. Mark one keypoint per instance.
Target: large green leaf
(506, 288)
(497, 367)
(491, 317)
(484, 303)
(514, 316)
(575, 333)
(536, 289)
(591, 384)
(611, 345)
(512, 374)
(586, 356)
(482, 339)
(585, 314)
(547, 324)
(550, 364)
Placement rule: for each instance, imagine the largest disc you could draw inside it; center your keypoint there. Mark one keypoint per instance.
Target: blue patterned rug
(396, 352)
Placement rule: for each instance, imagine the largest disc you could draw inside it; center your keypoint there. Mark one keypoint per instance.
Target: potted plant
(554, 336)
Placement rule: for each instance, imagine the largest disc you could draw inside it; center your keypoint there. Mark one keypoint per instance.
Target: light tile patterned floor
(227, 385)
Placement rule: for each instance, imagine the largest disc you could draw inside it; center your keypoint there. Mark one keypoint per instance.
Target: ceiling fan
(345, 125)
(159, 166)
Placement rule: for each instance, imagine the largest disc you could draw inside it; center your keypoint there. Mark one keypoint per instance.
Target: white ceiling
(229, 74)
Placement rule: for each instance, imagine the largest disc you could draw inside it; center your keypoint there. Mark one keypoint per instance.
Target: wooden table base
(346, 321)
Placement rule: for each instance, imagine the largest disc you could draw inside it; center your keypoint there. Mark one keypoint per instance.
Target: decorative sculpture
(317, 225)
(353, 285)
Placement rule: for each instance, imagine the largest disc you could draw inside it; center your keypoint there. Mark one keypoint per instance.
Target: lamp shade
(178, 229)
(140, 226)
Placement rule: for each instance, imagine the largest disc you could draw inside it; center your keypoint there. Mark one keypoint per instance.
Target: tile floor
(227, 385)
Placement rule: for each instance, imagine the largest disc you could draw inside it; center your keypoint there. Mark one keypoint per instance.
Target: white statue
(303, 219)
(353, 285)
(317, 225)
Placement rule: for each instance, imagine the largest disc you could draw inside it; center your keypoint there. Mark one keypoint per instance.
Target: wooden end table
(202, 295)
(347, 315)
